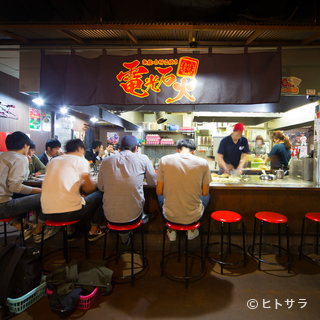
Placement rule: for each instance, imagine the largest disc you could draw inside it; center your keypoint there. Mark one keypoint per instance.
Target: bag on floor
(68, 282)
(20, 271)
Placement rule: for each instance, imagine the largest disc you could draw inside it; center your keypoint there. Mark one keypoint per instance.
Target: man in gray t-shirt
(183, 180)
(121, 178)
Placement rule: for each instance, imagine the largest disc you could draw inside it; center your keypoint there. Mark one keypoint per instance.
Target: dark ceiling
(193, 11)
(160, 23)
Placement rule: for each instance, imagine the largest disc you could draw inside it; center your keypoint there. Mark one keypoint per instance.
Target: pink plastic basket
(85, 302)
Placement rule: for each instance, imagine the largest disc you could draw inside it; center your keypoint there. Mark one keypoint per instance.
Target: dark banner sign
(161, 79)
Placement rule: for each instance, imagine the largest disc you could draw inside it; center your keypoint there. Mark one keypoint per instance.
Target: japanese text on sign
(138, 79)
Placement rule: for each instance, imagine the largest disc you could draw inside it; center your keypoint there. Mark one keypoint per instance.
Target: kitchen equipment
(268, 177)
(279, 173)
(307, 168)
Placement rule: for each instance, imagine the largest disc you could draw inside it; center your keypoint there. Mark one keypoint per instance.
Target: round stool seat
(124, 227)
(182, 227)
(6, 220)
(271, 217)
(60, 223)
(314, 216)
(226, 216)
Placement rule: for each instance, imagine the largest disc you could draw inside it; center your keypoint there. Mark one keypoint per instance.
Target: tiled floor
(275, 293)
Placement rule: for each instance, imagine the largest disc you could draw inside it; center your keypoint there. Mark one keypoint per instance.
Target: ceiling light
(64, 110)
(38, 101)
(94, 119)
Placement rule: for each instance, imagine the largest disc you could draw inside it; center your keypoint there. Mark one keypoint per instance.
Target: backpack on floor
(20, 271)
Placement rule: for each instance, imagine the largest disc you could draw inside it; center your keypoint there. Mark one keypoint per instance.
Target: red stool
(127, 227)
(5, 221)
(311, 216)
(229, 217)
(179, 228)
(276, 218)
(63, 224)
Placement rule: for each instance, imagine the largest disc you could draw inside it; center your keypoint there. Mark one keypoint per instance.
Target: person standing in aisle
(233, 151)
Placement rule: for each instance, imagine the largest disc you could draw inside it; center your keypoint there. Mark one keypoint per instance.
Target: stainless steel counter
(254, 181)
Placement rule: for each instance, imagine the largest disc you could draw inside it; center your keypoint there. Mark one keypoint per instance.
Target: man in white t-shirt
(61, 199)
(183, 180)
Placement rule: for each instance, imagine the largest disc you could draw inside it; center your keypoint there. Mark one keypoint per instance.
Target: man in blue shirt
(233, 151)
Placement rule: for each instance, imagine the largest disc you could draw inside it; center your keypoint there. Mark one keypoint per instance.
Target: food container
(279, 174)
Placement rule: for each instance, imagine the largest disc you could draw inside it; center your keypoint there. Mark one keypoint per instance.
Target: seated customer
(121, 178)
(61, 199)
(93, 154)
(36, 167)
(109, 150)
(183, 187)
(15, 197)
(52, 148)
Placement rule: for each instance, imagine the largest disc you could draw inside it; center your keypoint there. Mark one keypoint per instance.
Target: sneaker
(48, 232)
(149, 217)
(172, 235)
(125, 238)
(28, 231)
(192, 234)
(95, 236)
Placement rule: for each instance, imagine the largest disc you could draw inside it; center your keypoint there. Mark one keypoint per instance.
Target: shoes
(28, 231)
(125, 238)
(149, 217)
(70, 235)
(48, 232)
(95, 236)
(172, 235)
(192, 234)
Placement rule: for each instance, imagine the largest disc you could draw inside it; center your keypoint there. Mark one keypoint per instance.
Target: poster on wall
(76, 134)
(46, 121)
(34, 119)
(112, 138)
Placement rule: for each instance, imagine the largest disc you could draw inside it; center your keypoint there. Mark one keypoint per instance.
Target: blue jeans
(93, 207)
(19, 206)
(205, 202)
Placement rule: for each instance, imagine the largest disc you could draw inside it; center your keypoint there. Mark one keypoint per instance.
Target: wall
(9, 94)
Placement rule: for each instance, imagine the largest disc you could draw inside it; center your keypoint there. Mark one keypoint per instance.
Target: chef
(233, 151)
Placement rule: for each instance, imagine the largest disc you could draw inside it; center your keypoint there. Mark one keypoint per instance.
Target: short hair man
(121, 178)
(52, 148)
(36, 167)
(109, 150)
(183, 187)
(61, 199)
(233, 151)
(16, 198)
(93, 153)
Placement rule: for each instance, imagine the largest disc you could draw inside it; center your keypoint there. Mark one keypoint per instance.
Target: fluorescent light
(64, 110)
(94, 119)
(38, 101)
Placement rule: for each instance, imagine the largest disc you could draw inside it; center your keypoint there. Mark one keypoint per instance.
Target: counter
(291, 197)
(288, 196)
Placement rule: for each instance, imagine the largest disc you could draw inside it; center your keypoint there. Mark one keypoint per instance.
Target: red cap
(239, 127)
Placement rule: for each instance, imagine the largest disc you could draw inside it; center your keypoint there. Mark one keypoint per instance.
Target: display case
(158, 143)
